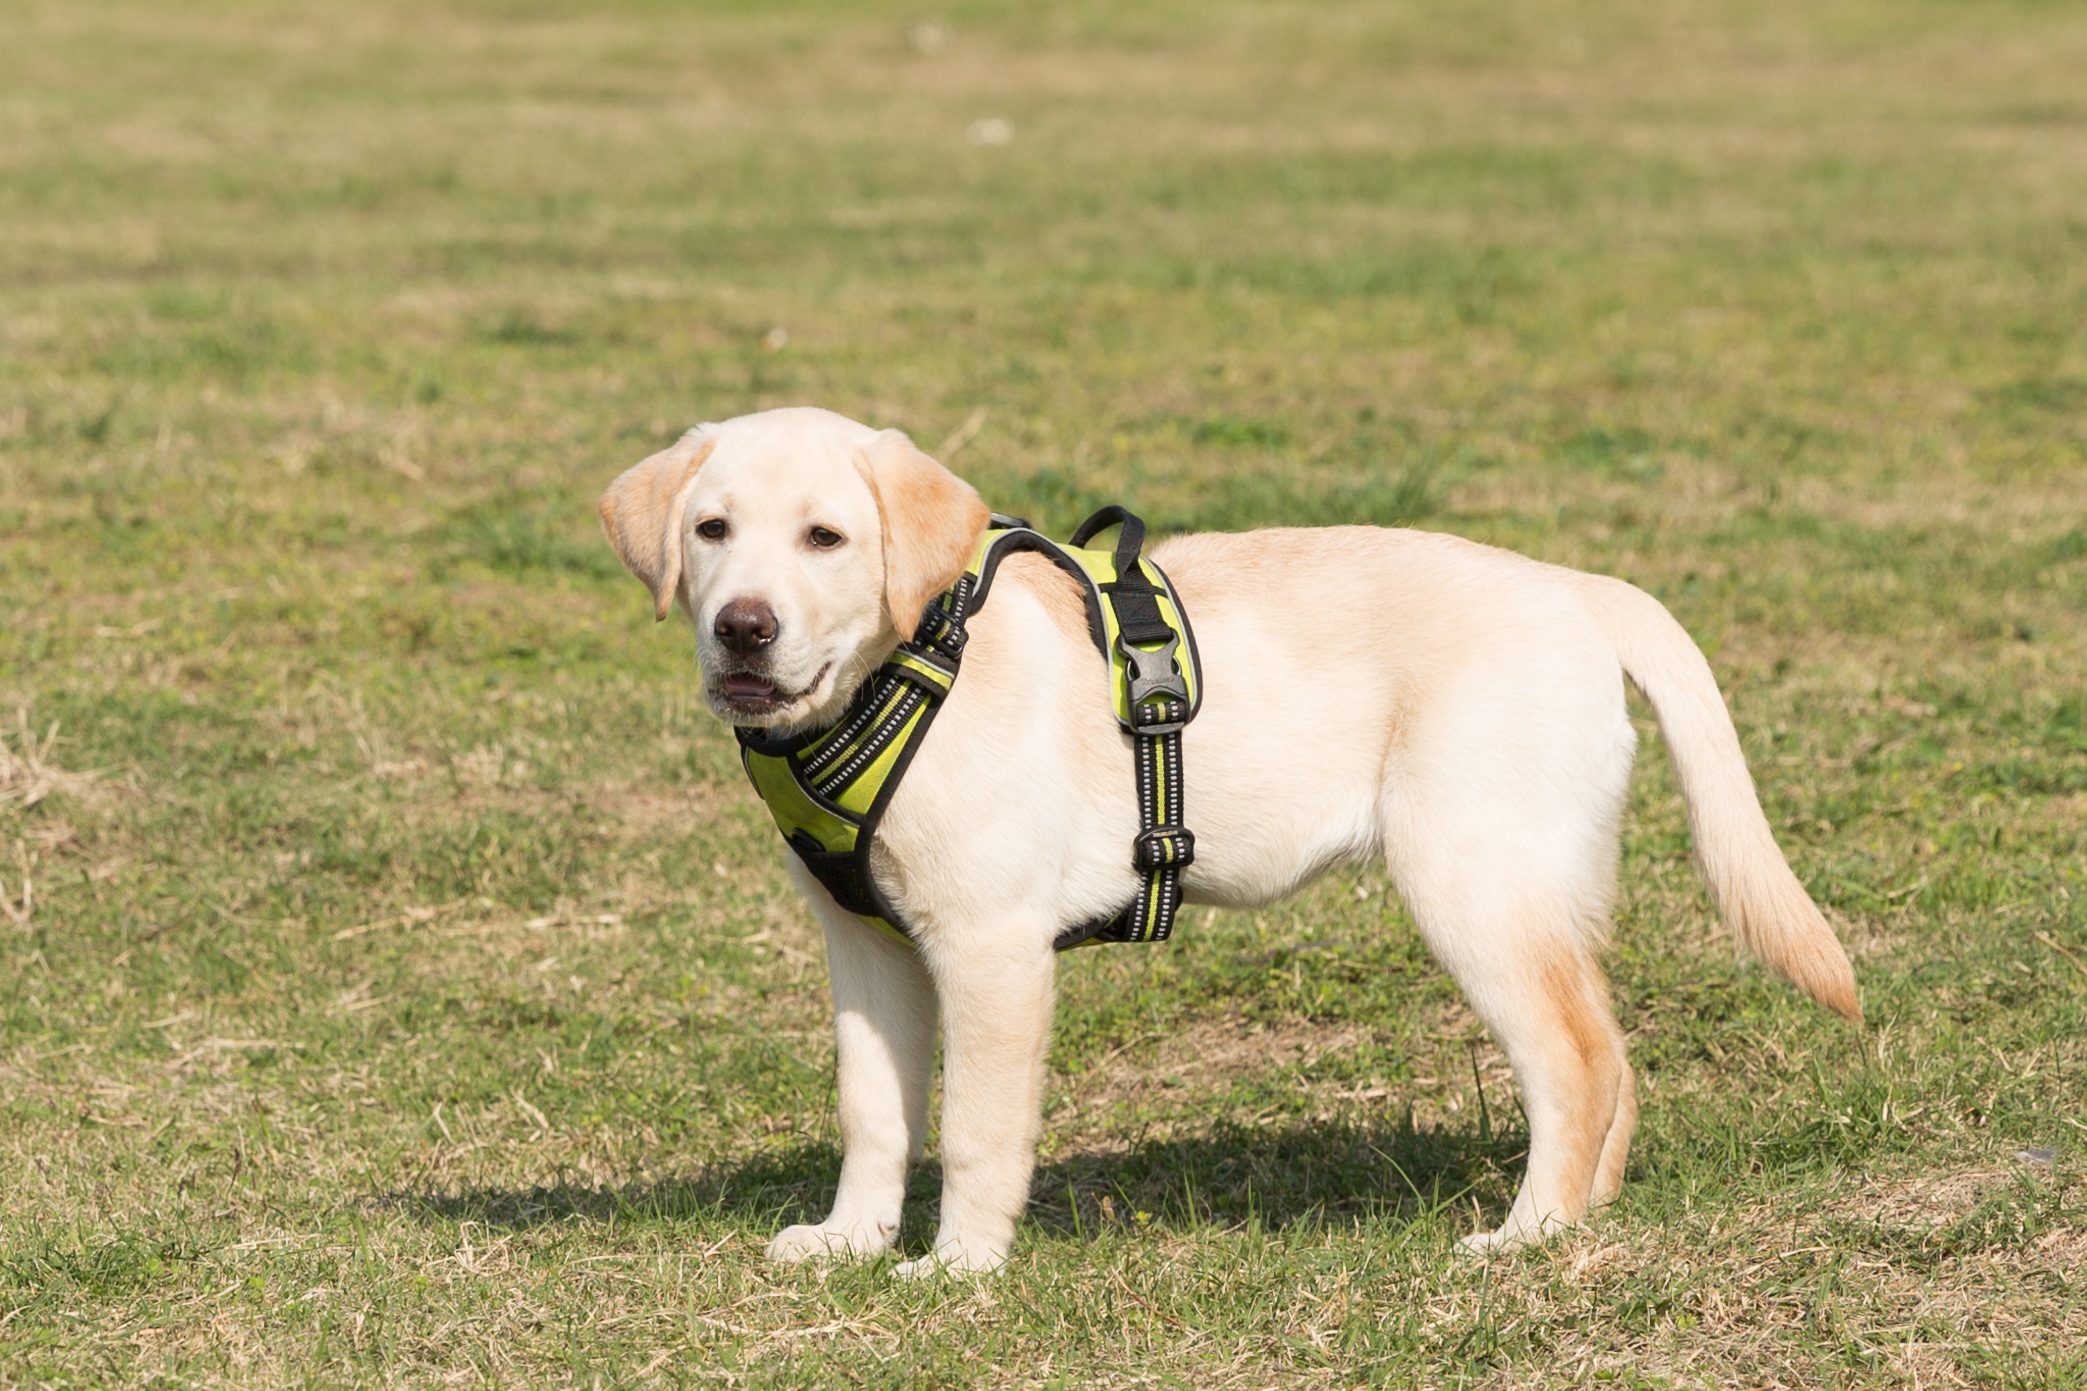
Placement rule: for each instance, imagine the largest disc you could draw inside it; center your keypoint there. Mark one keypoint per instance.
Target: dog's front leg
(996, 990)
(884, 1032)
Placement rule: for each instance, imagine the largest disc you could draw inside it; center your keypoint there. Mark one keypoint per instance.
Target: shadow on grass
(1230, 1176)
(1280, 1177)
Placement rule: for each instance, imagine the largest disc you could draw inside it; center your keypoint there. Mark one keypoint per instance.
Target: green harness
(828, 790)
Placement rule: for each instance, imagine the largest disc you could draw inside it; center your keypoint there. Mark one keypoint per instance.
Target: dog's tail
(1758, 896)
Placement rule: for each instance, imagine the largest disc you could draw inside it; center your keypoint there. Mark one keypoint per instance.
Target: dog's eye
(824, 538)
(711, 529)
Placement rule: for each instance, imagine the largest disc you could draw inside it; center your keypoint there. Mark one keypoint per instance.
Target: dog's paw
(1511, 1236)
(951, 1259)
(1482, 1244)
(806, 1242)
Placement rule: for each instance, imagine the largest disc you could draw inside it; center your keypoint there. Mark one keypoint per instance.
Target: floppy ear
(642, 513)
(932, 520)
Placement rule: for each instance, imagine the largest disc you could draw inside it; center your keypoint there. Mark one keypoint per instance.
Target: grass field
(402, 986)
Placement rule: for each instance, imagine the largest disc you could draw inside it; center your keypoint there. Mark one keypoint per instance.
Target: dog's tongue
(746, 686)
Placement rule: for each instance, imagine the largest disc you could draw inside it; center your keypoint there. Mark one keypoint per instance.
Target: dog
(1455, 709)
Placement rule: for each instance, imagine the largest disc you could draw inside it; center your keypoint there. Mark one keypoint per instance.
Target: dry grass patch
(27, 773)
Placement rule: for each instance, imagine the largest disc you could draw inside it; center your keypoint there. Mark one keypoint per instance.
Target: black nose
(745, 626)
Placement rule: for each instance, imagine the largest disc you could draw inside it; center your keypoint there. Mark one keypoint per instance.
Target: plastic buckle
(1157, 660)
(1163, 847)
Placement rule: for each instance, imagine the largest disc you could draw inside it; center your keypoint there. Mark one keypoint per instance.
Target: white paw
(1513, 1235)
(807, 1242)
(951, 1260)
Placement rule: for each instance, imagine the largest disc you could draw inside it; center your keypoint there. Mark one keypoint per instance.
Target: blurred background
(372, 870)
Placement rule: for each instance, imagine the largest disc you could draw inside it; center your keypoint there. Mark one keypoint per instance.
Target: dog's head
(801, 544)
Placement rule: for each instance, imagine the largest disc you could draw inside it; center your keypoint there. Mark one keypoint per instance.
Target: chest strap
(828, 790)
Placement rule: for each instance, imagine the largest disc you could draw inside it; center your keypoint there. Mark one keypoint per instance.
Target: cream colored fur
(1484, 752)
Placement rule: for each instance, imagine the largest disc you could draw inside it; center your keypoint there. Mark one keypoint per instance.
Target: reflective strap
(855, 782)
(1163, 848)
(878, 703)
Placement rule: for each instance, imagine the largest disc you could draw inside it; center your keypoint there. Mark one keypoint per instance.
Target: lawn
(402, 984)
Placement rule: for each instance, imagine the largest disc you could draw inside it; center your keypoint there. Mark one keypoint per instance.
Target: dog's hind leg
(1615, 1150)
(1543, 1000)
(1500, 821)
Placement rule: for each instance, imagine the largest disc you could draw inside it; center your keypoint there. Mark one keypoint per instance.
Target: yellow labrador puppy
(1483, 752)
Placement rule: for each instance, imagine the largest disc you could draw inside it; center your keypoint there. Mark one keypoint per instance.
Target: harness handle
(1137, 597)
(1129, 541)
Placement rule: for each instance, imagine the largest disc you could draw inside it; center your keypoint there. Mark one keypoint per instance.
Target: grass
(411, 994)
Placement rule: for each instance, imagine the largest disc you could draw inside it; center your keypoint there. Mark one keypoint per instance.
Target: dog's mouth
(749, 694)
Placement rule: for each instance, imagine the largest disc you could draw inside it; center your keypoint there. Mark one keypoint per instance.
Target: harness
(828, 790)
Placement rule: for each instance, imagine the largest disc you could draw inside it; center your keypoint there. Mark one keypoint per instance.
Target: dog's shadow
(1230, 1176)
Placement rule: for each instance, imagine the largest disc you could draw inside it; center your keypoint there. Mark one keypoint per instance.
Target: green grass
(413, 995)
